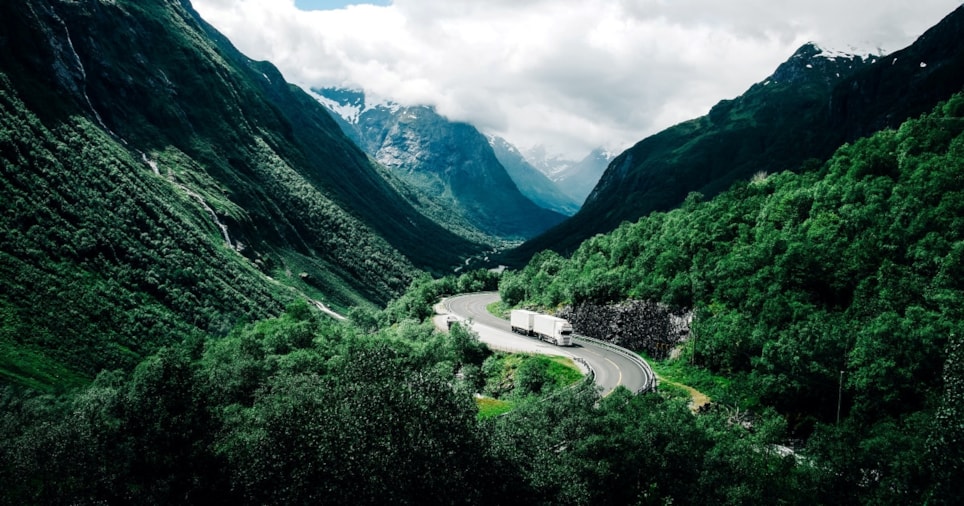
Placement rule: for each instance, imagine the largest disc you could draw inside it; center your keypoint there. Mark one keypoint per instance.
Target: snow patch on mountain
(549, 164)
(848, 52)
(349, 103)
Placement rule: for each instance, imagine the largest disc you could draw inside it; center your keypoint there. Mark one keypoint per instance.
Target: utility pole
(839, 395)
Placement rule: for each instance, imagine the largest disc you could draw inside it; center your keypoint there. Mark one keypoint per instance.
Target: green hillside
(838, 286)
(157, 184)
(808, 107)
(172, 213)
(853, 267)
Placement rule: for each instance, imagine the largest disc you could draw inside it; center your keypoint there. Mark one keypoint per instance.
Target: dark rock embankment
(637, 325)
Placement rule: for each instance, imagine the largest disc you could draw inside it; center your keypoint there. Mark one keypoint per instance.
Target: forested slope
(842, 284)
(302, 410)
(854, 268)
(154, 180)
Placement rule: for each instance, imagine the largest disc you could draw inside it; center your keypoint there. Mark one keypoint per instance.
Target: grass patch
(672, 389)
(683, 379)
(519, 375)
(516, 376)
(682, 372)
(489, 407)
(562, 370)
(738, 390)
(499, 308)
(33, 369)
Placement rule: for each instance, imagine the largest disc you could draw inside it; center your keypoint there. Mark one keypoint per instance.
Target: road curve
(613, 366)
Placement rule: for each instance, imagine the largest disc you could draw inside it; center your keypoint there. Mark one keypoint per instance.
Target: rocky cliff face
(637, 325)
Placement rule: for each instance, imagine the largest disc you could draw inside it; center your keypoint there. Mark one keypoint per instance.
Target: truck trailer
(521, 321)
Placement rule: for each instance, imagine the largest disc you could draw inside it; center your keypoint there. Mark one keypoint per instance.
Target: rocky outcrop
(637, 325)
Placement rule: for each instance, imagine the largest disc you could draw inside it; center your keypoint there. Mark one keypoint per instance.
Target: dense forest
(172, 213)
(300, 409)
(840, 286)
(832, 296)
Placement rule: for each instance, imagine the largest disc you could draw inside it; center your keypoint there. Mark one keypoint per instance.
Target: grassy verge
(680, 378)
(489, 407)
(514, 377)
(562, 370)
(499, 308)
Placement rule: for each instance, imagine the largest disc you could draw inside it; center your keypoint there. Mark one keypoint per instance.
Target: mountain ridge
(532, 182)
(798, 113)
(451, 163)
(159, 185)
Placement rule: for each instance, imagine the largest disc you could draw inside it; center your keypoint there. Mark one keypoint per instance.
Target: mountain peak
(848, 52)
(812, 61)
(349, 103)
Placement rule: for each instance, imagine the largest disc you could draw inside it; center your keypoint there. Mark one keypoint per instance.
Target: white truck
(522, 321)
(551, 329)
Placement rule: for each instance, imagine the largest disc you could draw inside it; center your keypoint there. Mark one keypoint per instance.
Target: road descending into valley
(613, 366)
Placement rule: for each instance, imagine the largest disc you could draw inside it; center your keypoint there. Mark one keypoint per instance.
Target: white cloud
(568, 74)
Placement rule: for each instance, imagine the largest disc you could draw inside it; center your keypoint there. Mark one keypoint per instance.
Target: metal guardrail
(650, 384)
(591, 373)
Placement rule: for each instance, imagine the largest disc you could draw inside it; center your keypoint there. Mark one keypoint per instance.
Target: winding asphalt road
(612, 366)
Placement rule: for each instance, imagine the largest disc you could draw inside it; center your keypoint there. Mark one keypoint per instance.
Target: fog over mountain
(571, 76)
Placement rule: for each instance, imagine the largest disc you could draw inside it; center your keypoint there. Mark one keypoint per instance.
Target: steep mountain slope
(531, 182)
(833, 296)
(575, 178)
(449, 162)
(812, 104)
(154, 177)
(579, 178)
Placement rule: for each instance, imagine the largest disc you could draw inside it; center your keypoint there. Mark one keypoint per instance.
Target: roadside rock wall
(636, 325)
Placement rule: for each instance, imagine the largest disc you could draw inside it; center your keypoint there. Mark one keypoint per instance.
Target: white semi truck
(551, 329)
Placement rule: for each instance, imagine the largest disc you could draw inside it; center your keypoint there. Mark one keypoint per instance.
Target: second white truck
(551, 329)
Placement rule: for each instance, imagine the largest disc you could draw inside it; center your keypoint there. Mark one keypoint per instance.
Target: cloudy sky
(569, 75)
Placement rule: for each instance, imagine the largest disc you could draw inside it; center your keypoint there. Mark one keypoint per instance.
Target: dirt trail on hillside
(697, 399)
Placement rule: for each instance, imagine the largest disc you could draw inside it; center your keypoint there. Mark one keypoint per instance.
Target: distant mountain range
(575, 178)
(579, 178)
(532, 182)
(453, 172)
(792, 120)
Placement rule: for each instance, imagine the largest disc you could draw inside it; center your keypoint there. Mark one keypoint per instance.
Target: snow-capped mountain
(532, 182)
(458, 178)
(576, 178)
